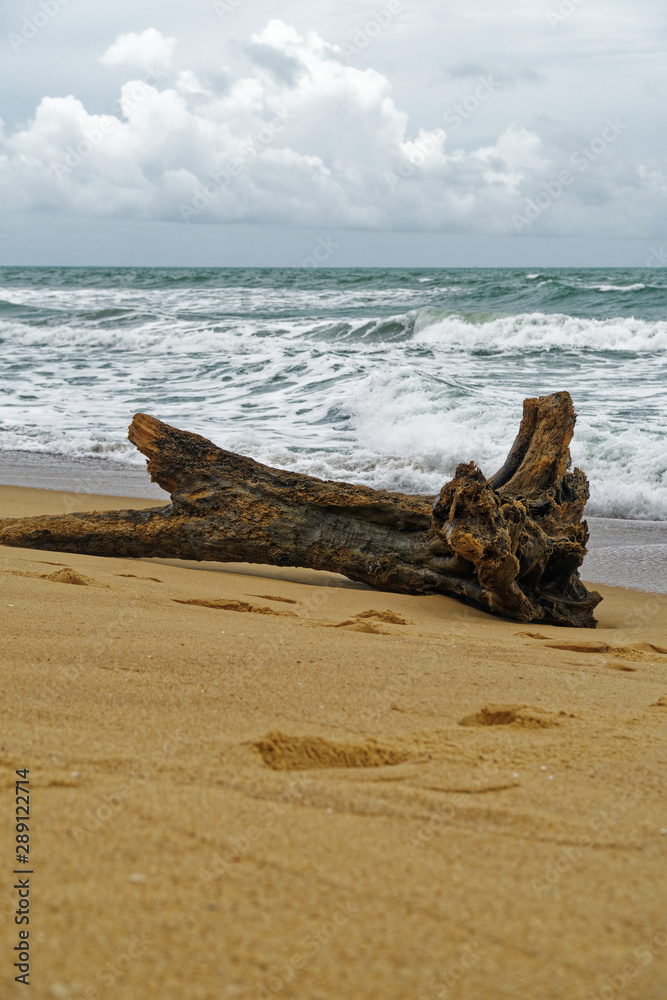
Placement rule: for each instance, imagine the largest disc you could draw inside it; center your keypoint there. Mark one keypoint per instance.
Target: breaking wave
(388, 378)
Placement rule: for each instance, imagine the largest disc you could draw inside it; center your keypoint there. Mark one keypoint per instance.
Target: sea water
(384, 377)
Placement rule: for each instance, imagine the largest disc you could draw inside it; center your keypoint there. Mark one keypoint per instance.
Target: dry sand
(258, 783)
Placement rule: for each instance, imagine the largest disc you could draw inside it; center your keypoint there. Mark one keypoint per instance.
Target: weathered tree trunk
(512, 544)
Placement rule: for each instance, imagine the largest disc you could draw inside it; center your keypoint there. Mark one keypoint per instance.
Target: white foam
(617, 288)
(539, 332)
(428, 327)
(395, 402)
(224, 301)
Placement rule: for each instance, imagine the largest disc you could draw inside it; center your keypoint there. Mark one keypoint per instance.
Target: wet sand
(622, 553)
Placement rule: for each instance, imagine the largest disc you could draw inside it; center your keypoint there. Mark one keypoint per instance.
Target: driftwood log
(511, 544)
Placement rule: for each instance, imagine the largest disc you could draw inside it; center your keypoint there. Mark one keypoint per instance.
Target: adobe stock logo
(417, 157)
(135, 94)
(372, 28)
(31, 26)
(580, 159)
(565, 9)
(462, 110)
(657, 256)
(322, 251)
(224, 7)
(209, 190)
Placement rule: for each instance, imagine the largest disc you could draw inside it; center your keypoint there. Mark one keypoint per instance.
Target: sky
(250, 133)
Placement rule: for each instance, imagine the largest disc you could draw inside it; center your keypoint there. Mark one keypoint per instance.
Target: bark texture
(512, 544)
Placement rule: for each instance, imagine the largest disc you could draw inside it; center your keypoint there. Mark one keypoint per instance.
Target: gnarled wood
(512, 544)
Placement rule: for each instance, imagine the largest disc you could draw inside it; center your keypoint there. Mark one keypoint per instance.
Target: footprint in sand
(640, 652)
(222, 605)
(369, 621)
(68, 575)
(282, 752)
(64, 575)
(518, 716)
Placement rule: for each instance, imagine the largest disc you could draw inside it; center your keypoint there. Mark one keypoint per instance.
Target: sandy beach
(250, 782)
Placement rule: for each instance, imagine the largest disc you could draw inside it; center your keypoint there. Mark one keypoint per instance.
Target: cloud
(145, 50)
(307, 140)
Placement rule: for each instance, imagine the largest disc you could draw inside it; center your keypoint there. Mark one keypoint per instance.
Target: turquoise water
(386, 377)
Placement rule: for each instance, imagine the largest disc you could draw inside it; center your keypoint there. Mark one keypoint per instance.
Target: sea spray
(383, 377)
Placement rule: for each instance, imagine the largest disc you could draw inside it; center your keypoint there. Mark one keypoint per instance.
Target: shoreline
(99, 477)
(622, 552)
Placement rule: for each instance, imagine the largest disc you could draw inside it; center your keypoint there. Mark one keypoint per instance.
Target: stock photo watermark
(570, 856)
(446, 814)
(581, 160)
(454, 117)
(644, 956)
(33, 25)
(564, 10)
(240, 844)
(374, 26)
(443, 985)
(309, 945)
(657, 256)
(324, 249)
(208, 191)
(416, 158)
(461, 111)
(225, 7)
(111, 973)
(112, 805)
(92, 140)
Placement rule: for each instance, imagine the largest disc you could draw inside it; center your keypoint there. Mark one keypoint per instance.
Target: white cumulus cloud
(145, 50)
(304, 140)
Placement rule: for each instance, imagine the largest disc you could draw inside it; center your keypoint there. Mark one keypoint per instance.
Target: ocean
(383, 377)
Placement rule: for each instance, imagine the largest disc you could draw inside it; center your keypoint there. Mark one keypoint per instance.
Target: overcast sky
(241, 132)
